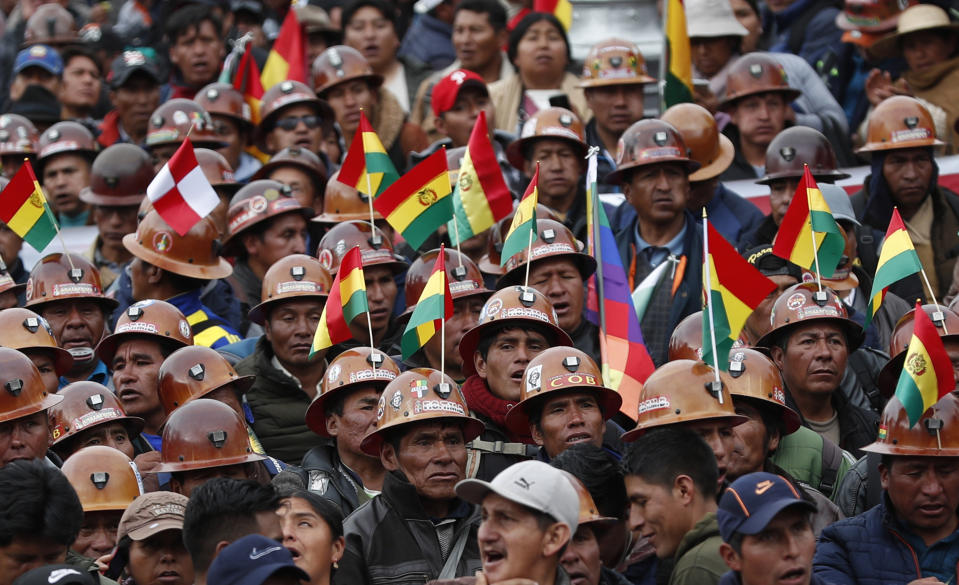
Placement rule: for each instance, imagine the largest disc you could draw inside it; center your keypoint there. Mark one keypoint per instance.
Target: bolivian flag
(735, 288)
(287, 58)
(679, 73)
(522, 231)
(346, 302)
(480, 197)
(25, 210)
(433, 307)
(367, 157)
(897, 260)
(927, 373)
(419, 202)
(809, 217)
(561, 9)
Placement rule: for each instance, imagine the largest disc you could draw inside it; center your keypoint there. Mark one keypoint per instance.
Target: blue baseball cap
(753, 500)
(41, 56)
(252, 560)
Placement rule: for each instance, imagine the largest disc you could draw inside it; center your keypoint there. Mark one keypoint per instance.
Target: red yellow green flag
(735, 288)
(367, 167)
(522, 231)
(897, 260)
(809, 219)
(346, 302)
(927, 373)
(25, 210)
(433, 307)
(561, 9)
(678, 86)
(287, 58)
(419, 202)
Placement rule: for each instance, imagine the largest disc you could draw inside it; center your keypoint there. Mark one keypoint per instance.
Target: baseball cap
(152, 513)
(753, 500)
(533, 484)
(769, 264)
(839, 203)
(252, 560)
(40, 56)
(447, 89)
(55, 575)
(129, 63)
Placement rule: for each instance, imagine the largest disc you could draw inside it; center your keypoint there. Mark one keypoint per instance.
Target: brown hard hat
(352, 368)
(554, 240)
(871, 16)
(462, 276)
(900, 122)
(204, 433)
(119, 176)
(650, 142)
(193, 372)
(754, 376)
(195, 255)
(797, 305)
(51, 24)
(490, 262)
(420, 395)
(946, 322)
(614, 62)
(87, 405)
(681, 392)
(256, 202)
(65, 137)
(559, 369)
(22, 391)
(344, 203)
(105, 479)
(56, 277)
(375, 248)
(296, 276)
(938, 426)
(150, 319)
(797, 146)
(588, 512)
(756, 73)
(283, 95)
(294, 156)
(217, 170)
(222, 99)
(707, 146)
(171, 122)
(340, 64)
(556, 123)
(25, 330)
(518, 306)
(18, 135)
(686, 340)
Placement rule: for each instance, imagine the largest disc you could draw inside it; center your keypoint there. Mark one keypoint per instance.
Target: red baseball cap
(447, 89)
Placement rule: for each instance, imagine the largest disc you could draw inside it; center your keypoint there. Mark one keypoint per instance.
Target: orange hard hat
(944, 319)
(295, 276)
(798, 304)
(119, 176)
(222, 99)
(22, 391)
(559, 369)
(900, 122)
(87, 405)
(707, 146)
(193, 372)
(375, 248)
(554, 240)
(56, 278)
(195, 255)
(462, 275)
(105, 479)
(294, 156)
(340, 64)
(754, 376)
(204, 433)
(150, 319)
(359, 366)
(420, 395)
(27, 331)
(686, 341)
(935, 434)
(281, 96)
(66, 137)
(344, 203)
(682, 391)
(490, 262)
(554, 123)
(256, 202)
(614, 62)
(172, 121)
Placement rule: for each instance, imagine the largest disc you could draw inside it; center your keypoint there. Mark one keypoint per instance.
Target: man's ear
(480, 364)
(176, 486)
(332, 424)
(440, 124)
(778, 356)
(884, 475)
(772, 443)
(732, 558)
(219, 547)
(388, 457)
(536, 433)
(557, 536)
(684, 489)
(251, 243)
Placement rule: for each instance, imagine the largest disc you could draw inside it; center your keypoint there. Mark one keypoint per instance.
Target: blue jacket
(820, 37)
(208, 328)
(429, 41)
(868, 549)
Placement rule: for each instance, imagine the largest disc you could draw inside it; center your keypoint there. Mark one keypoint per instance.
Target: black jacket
(391, 540)
(324, 475)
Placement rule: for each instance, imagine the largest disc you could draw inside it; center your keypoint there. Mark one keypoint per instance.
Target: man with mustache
(66, 151)
(758, 99)
(912, 535)
(810, 341)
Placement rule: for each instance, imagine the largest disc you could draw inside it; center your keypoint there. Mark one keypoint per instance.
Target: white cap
(533, 484)
(712, 18)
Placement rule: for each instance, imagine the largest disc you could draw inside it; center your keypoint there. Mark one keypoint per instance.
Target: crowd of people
(167, 419)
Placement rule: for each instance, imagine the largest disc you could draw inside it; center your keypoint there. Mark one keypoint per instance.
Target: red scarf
(480, 399)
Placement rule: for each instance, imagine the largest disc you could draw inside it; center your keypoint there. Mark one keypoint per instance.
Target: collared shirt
(655, 255)
(100, 375)
(275, 362)
(938, 559)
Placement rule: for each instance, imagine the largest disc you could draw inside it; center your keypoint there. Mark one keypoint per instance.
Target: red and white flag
(180, 192)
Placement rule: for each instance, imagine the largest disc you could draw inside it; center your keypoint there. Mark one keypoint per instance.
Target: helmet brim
(222, 269)
(726, 154)
(470, 340)
(517, 418)
(372, 442)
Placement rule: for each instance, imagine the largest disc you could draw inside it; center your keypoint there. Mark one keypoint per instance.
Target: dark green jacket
(697, 558)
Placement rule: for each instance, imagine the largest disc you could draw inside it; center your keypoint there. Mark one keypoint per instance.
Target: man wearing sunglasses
(292, 116)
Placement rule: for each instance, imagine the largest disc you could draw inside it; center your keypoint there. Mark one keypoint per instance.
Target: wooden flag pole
(820, 296)
(717, 384)
(49, 213)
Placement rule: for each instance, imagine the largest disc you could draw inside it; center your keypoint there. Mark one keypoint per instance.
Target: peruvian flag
(180, 192)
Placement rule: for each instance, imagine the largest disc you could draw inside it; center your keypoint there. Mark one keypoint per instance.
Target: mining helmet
(22, 391)
(614, 62)
(119, 177)
(294, 277)
(933, 435)
(796, 147)
(554, 240)
(900, 122)
(802, 303)
(151, 319)
(27, 331)
(196, 371)
(375, 248)
(105, 479)
(650, 142)
(87, 405)
(195, 255)
(204, 433)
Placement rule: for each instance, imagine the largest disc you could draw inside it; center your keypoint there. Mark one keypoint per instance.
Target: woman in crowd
(313, 533)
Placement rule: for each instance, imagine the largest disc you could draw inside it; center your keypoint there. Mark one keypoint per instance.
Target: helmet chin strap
(82, 356)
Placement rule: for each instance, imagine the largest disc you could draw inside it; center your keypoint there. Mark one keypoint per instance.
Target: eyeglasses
(290, 124)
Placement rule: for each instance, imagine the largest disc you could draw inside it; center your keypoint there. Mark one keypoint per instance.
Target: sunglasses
(290, 124)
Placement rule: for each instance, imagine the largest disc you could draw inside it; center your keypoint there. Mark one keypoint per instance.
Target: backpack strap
(831, 460)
